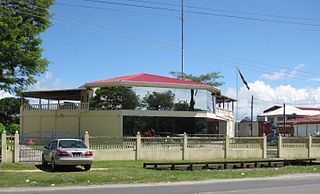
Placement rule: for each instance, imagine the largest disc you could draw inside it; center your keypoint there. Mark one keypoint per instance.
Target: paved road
(281, 185)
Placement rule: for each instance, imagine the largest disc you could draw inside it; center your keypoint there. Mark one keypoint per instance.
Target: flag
(243, 80)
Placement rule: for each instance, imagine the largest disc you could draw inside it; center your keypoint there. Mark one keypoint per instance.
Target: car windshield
(71, 144)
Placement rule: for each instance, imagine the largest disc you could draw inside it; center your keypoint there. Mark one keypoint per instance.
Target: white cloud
(48, 81)
(266, 96)
(4, 94)
(283, 73)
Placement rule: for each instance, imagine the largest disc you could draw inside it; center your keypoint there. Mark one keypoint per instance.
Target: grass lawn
(130, 172)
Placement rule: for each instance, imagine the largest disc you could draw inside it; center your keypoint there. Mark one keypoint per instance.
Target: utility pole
(182, 39)
(284, 116)
(251, 115)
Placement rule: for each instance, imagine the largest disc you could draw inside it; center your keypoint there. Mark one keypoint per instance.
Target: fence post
(86, 139)
(185, 147)
(4, 147)
(138, 146)
(227, 145)
(310, 146)
(264, 146)
(279, 146)
(16, 148)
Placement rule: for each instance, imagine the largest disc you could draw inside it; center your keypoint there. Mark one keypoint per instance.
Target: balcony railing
(224, 112)
(64, 106)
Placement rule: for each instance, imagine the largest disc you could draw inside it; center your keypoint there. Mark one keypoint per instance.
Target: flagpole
(237, 96)
(251, 115)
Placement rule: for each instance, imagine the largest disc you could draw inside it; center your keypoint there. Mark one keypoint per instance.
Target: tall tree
(21, 22)
(10, 111)
(208, 78)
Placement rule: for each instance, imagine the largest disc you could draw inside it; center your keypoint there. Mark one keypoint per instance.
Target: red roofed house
(305, 126)
(122, 106)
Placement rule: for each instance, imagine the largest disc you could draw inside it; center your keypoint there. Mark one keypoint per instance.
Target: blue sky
(280, 60)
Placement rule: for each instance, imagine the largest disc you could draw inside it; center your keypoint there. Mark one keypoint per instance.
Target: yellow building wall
(73, 123)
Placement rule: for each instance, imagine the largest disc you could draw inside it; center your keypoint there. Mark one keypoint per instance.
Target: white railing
(206, 142)
(63, 106)
(294, 142)
(224, 112)
(161, 143)
(246, 142)
(113, 143)
(175, 143)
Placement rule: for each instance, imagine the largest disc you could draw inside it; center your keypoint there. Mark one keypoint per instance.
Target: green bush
(2, 128)
(12, 128)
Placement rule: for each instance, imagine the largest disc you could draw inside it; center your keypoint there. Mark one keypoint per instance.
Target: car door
(53, 149)
(46, 152)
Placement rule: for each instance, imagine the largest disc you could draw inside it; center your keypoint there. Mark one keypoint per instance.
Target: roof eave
(154, 84)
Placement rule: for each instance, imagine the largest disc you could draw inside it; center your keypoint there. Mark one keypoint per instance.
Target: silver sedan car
(70, 152)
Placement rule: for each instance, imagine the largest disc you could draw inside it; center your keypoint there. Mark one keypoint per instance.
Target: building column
(226, 146)
(185, 147)
(87, 139)
(264, 146)
(16, 148)
(4, 147)
(310, 146)
(138, 146)
(279, 146)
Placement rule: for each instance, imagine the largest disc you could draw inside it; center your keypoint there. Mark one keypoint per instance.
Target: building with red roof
(124, 105)
(305, 126)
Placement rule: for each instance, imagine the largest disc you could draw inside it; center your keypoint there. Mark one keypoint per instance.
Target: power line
(111, 9)
(227, 10)
(165, 45)
(203, 13)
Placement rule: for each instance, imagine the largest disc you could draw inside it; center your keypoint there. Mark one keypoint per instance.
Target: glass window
(150, 98)
(71, 144)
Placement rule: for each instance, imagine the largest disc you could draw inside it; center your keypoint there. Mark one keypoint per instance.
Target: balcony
(63, 106)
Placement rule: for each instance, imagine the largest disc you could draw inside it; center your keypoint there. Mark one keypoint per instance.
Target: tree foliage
(21, 22)
(159, 100)
(115, 98)
(12, 128)
(2, 128)
(10, 110)
(182, 106)
(210, 78)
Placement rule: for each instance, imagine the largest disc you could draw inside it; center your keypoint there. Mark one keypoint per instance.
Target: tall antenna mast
(182, 40)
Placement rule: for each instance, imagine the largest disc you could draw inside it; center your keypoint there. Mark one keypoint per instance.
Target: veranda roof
(63, 94)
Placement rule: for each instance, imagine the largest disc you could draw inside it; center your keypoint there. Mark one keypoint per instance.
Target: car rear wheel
(53, 165)
(87, 167)
(44, 163)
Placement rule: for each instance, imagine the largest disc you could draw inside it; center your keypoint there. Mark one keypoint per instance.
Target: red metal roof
(148, 78)
(304, 120)
(308, 108)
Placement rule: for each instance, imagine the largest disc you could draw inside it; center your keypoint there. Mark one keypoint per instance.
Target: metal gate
(30, 154)
(272, 146)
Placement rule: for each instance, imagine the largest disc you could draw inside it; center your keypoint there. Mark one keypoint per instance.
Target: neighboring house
(305, 126)
(277, 115)
(122, 106)
(245, 129)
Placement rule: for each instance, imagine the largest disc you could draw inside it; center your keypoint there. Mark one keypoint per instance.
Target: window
(71, 144)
